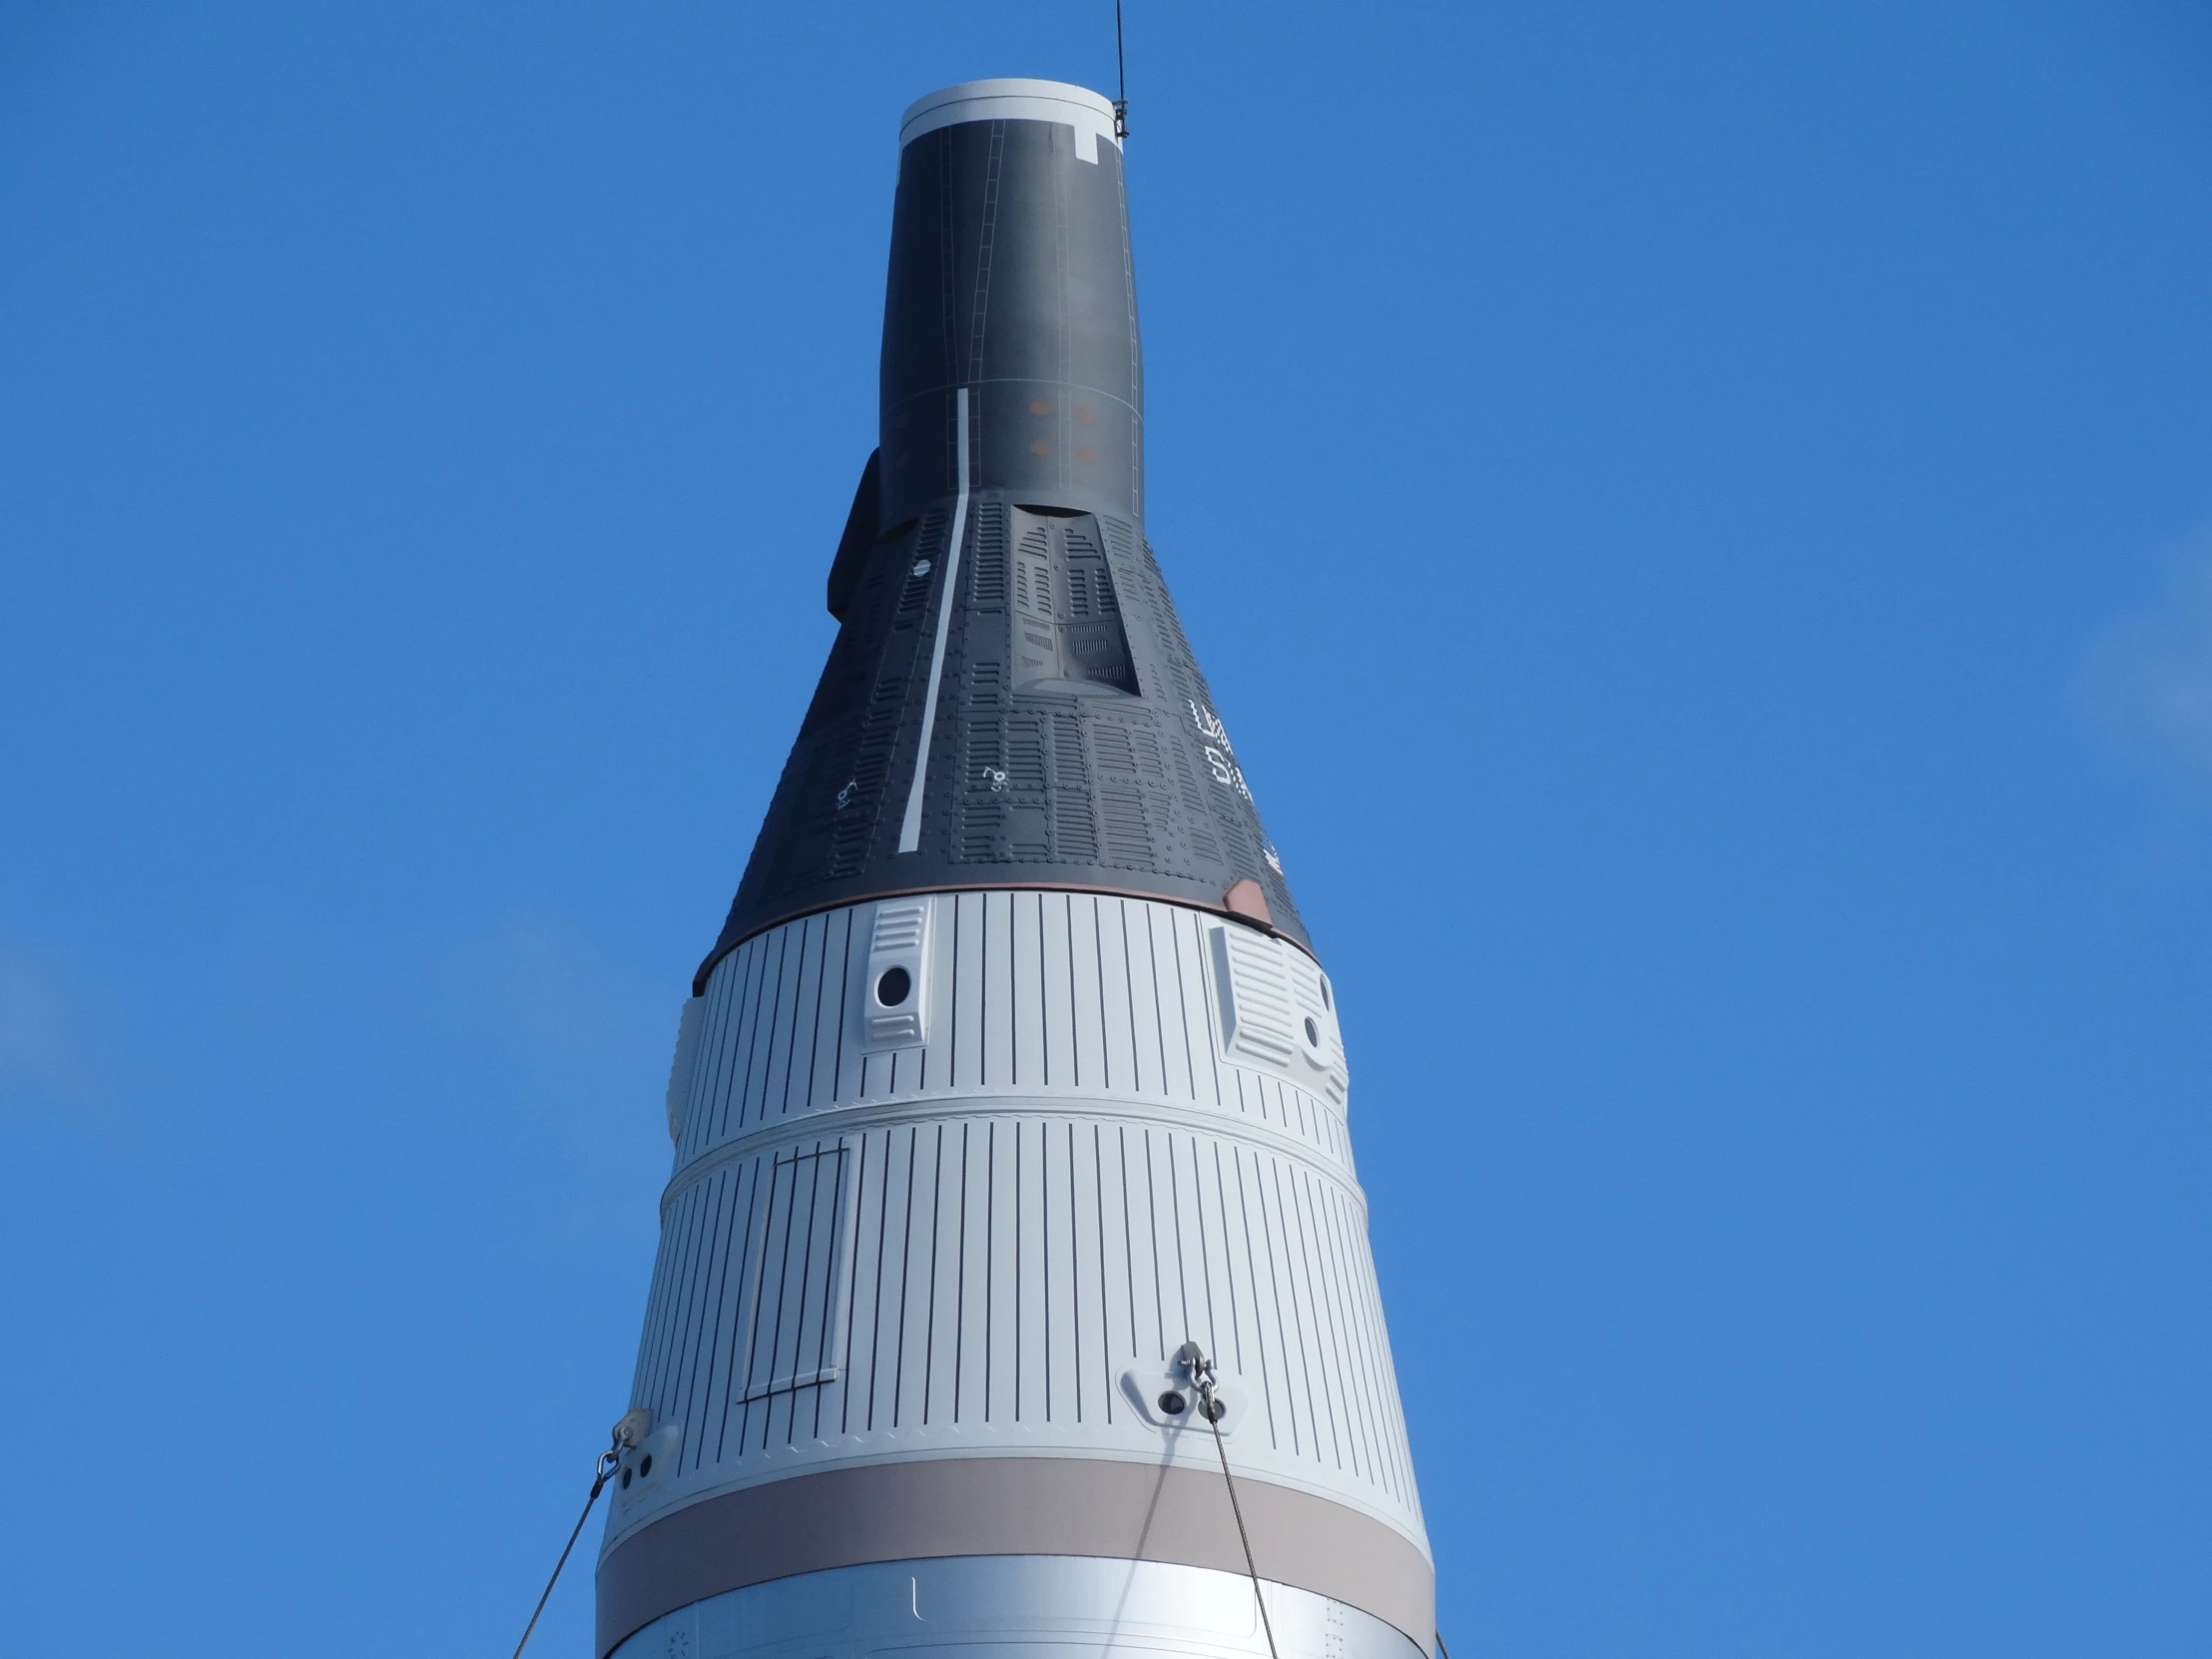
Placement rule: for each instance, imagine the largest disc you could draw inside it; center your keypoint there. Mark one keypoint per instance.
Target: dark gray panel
(858, 540)
(1010, 274)
(1074, 742)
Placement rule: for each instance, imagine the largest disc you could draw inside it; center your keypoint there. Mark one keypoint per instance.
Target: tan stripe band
(916, 1509)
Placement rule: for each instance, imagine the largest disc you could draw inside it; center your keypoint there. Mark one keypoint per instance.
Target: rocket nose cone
(1010, 100)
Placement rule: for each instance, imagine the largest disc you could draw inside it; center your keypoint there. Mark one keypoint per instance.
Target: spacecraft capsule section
(1012, 1073)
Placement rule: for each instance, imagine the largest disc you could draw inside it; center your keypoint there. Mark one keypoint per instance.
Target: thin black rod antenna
(1121, 79)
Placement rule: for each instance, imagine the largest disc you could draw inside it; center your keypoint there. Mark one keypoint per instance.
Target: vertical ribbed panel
(1050, 995)
(999, 1275)
(964, 1245)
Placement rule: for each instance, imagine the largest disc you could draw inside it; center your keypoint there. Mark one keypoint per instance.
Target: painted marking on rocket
(1221, 753)
(909, 831)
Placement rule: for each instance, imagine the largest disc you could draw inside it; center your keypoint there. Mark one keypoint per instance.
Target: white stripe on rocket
(910, 831)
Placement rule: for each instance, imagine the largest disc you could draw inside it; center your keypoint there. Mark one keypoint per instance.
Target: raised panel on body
(793, 1322)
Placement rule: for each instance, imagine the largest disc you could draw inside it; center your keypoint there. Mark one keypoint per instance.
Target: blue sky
(1699, 518)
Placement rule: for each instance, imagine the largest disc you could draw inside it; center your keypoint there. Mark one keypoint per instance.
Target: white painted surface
(1033, 997)
(1077, 1170)
(898, 944)
(680, 1069)
(643, 1469)
(1089, 115)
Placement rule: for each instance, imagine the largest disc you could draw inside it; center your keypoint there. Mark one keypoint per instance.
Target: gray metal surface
(1015, 1608)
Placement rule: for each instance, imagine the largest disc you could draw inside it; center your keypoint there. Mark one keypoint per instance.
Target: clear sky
(1698, 519)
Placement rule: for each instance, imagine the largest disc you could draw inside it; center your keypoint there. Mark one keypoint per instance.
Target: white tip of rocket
(1071, 106)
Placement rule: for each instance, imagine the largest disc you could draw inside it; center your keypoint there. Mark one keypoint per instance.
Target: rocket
(1014, 1282)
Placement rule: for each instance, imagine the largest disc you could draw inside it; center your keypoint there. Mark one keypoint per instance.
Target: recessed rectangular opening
(1067, 631)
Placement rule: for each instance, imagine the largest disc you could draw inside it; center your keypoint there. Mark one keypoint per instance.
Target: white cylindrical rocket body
(1013, 1073)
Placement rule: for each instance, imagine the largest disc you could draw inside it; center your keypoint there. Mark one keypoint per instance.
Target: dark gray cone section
(1075, 743)
(1011, 276)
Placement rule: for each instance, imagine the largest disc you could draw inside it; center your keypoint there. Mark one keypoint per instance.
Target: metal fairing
(1014, 1070)
(1073, 741)
(1076, 743)
(928, 1605)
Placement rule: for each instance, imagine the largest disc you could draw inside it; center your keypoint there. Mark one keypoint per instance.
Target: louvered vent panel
(985, 769)
(913, 592)
(898, 943)
(981, 822)
(1258, 1007)
(1127, 842)
(1145, 747)
(1034, 574)
(1025, 754)
(862, 793)
(1074, 835)
(1204, 841)
(987, 583)
(1110, 741)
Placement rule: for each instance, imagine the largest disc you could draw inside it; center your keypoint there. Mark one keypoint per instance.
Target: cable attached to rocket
(1202, 1377)
(625, 1437)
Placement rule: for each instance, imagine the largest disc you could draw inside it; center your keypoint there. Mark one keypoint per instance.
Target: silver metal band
(951, 1506)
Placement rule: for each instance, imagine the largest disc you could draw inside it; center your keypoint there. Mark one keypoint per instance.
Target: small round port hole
(893, 987)
(1312, 1032)
(1173, 1403)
